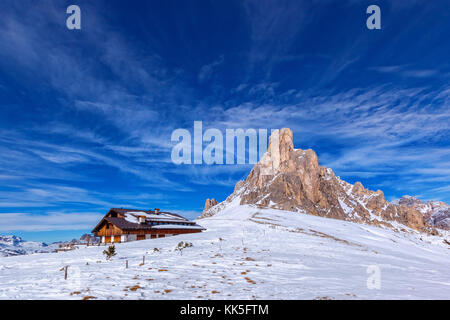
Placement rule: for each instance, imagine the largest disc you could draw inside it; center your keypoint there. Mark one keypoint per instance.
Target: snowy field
(246, 253)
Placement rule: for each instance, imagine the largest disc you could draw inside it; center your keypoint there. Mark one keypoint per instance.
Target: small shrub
(182, 245)
(135, 288)
(111, 252)
(250, 280)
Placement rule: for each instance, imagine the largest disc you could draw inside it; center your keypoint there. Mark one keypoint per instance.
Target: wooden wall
(115, 231)
(112, 231)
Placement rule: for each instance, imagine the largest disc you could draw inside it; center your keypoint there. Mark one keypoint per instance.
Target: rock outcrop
(436, 213)
(209, 204)
(292, 179)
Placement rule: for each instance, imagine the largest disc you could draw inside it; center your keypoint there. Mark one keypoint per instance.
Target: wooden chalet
(123, 225)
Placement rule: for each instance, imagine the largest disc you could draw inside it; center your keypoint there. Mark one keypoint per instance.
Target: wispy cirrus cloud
(406, 71)
(207, 70)
(13, 222)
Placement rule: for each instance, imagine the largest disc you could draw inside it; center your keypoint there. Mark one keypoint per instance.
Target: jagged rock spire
(209, 204)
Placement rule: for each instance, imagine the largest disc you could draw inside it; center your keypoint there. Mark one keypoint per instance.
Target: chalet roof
(131, 220)
(127, 225)
(149, 213)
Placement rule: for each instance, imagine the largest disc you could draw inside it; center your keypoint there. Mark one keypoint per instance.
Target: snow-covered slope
(13, 246)
(246, 253)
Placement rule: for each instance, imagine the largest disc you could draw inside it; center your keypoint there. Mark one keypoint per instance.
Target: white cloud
(49, 222)
(207, 70)
(406, 71)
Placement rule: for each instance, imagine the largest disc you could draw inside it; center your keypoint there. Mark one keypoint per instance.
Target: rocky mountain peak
(281, 157)
(291, 179)
(409, 201)
(209, 204)
(436, 213)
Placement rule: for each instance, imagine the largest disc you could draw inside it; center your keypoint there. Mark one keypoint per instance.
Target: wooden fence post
(126, 264)
(143, 260)
(65, 272)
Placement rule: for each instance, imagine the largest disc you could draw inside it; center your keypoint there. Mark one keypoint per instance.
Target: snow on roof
(133, 216)
(177, 226)
(171, 220)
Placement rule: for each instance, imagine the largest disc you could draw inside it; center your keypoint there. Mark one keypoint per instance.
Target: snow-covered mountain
(10, 240)
(292, 179)
(11, 245)
(436, 213)
(246, 253)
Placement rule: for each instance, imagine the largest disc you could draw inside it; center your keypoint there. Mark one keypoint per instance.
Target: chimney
(156, 211)
(141, 219)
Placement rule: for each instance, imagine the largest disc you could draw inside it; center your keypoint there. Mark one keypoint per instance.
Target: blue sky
(86, 116)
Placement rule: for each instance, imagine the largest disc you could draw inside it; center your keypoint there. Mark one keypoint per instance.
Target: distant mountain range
(15, 246)
(11, 245)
